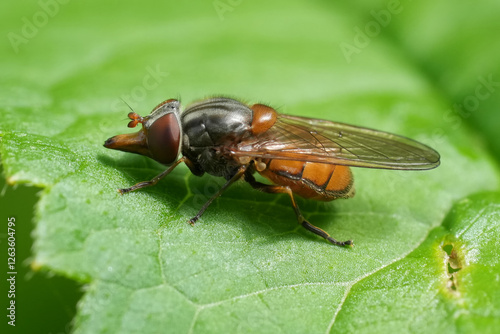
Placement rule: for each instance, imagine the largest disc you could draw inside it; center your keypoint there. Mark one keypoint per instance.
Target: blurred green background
(79, 58)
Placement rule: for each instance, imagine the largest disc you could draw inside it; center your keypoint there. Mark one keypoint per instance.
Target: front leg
(154, 180)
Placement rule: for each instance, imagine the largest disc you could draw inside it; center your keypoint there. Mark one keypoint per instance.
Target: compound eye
(164, 139)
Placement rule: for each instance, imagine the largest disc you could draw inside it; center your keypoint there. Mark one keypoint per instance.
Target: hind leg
(274, 189)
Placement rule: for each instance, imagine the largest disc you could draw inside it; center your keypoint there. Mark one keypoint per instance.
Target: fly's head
(160, 136)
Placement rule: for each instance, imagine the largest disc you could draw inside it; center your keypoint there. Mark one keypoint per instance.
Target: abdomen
(324, 182)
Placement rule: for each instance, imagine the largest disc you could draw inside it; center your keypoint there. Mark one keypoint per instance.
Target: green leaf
(450, 283)
(425, 242)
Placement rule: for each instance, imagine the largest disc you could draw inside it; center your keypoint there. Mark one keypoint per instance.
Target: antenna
(128, 105)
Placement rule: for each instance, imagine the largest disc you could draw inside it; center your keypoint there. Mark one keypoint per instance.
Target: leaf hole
(452, 266)
(448, 249)
(452, 270)
(452, 285)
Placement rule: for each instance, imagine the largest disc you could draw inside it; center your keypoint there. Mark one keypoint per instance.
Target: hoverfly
(303, 156)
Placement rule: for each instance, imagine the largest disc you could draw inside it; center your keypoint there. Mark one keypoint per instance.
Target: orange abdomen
(319, 181)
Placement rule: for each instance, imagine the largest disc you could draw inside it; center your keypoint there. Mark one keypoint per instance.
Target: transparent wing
(308, 139)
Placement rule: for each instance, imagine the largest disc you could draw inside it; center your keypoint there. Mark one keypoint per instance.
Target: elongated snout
(131, 142)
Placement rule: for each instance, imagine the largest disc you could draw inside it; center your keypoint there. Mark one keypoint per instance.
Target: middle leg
(233, 179)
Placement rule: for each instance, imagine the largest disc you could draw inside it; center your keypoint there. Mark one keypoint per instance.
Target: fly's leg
(273, 189)
(233, 179)
(154, 180)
